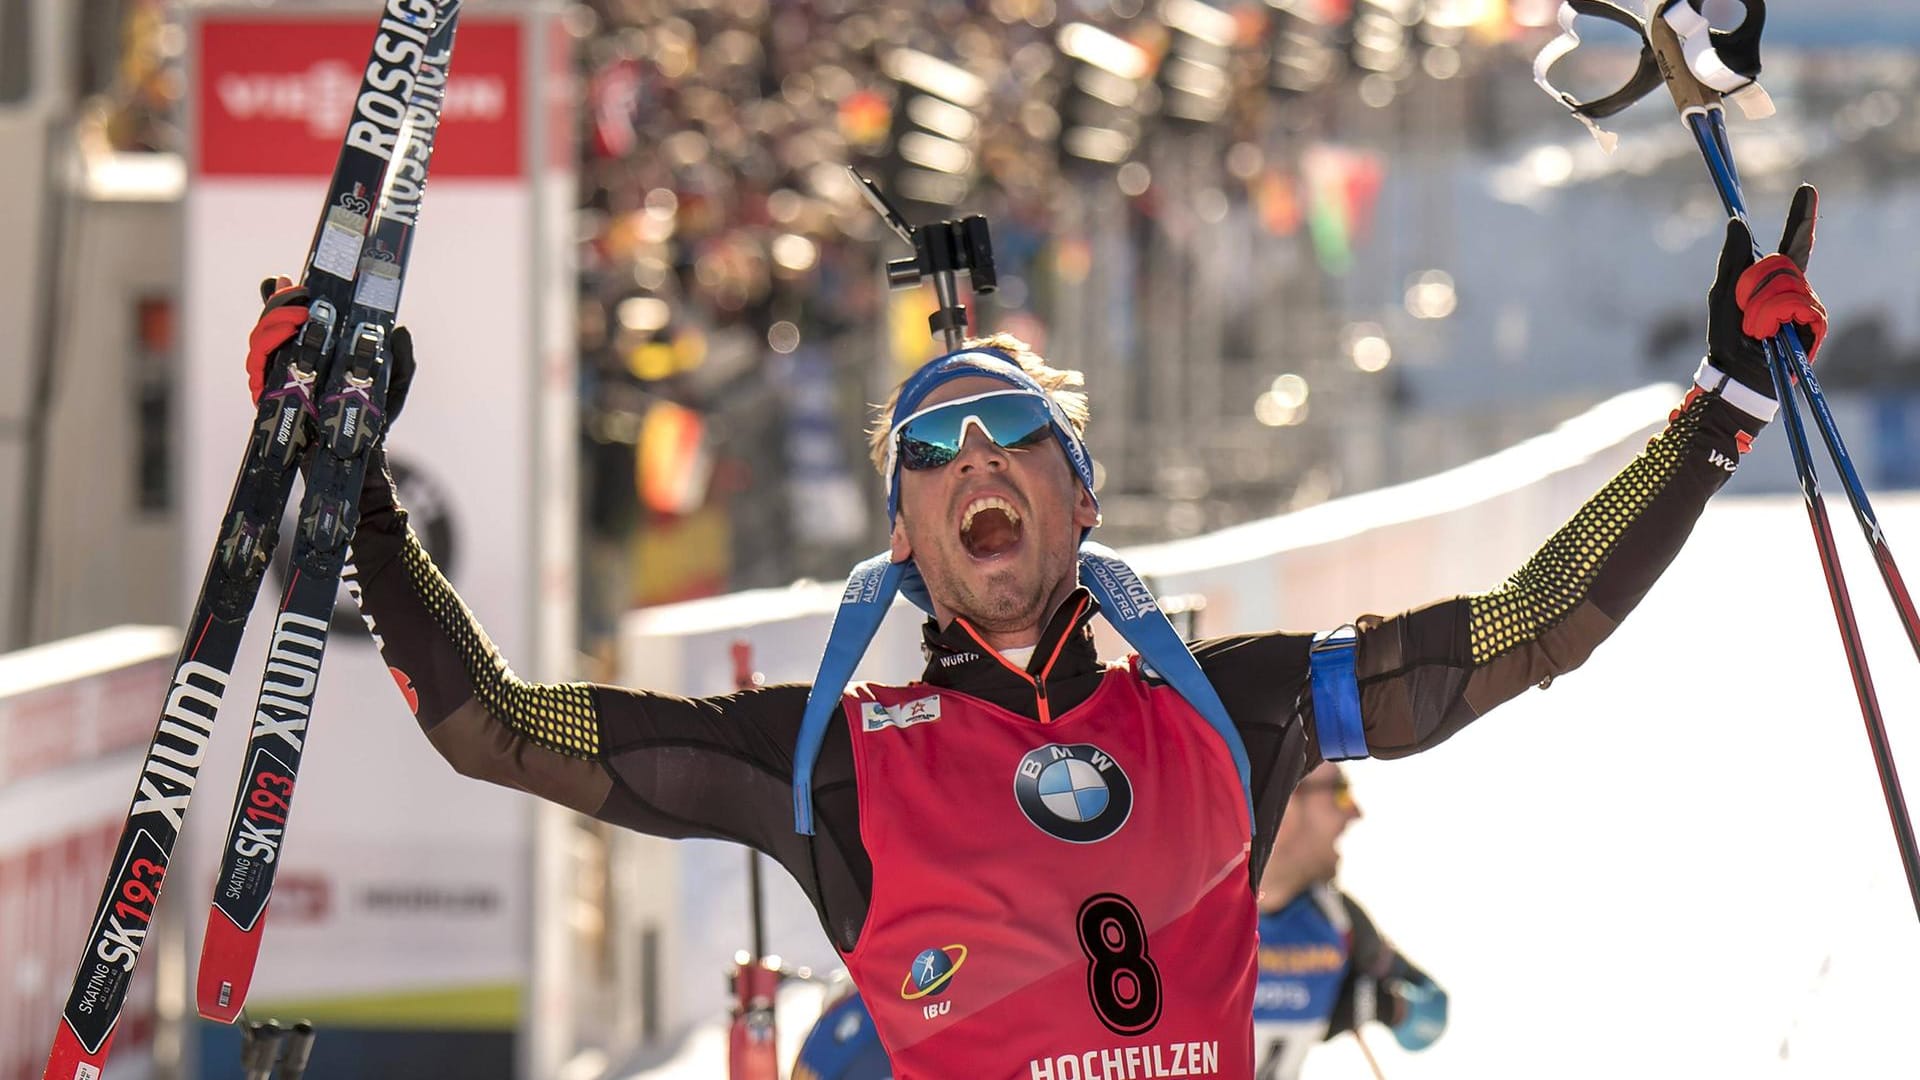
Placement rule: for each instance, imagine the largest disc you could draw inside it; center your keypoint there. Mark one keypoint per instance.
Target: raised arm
(1426, 674)
(716, 767)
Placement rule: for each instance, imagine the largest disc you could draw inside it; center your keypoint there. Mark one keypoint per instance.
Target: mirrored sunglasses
(932, 437)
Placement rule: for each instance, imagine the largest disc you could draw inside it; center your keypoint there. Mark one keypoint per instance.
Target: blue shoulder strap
(1129, 605)
(863, 606)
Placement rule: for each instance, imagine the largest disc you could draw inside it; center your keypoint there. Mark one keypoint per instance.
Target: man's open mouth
(990, 527)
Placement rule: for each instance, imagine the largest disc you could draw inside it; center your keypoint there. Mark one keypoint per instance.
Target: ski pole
(259, 1046)
(752, 1048)
(1367, 1052)
(941, 253)
(1705, 117)
(745, 678)
(1727, 183)
(1680, 49)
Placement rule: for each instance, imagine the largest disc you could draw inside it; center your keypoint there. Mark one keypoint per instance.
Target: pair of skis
(1701, 66)
(323, 404)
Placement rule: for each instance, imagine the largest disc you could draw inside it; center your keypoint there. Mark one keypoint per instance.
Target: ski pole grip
(1689, 93)
(293, 1065)
(257, 1054)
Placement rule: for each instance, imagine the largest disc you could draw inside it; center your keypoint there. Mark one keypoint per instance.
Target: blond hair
(1057, 382)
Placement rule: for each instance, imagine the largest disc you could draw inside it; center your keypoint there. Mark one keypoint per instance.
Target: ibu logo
(929, 976)
(1075, 792)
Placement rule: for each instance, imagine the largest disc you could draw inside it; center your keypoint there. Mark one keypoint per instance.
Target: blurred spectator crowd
(734, 321)
(1177, 190)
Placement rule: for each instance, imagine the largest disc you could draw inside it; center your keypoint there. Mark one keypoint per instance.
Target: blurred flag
(822, 485)
(672, 462)
(613, 95)
(907, 312)
(1277, 200)
(682, 558)
(1343, 187)
(654, 360)
(865, 120)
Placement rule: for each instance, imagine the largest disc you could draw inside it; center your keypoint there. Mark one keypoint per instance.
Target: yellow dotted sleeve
(1559, 576)
(558, 716)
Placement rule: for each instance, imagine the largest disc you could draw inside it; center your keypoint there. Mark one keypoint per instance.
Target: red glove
(1774, 292)
(285, 313)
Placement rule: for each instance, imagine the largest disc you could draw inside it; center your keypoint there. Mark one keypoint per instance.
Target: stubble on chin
(994, 603)
(1008, 600)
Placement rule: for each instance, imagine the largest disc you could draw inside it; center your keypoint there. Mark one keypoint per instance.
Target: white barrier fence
(75, 716)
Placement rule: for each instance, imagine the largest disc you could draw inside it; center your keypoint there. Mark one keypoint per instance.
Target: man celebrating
(1036, 865)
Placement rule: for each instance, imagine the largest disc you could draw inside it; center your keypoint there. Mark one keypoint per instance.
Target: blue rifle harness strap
(863, 606)
(1336, 695)
(1124, 599)
(1130, 607)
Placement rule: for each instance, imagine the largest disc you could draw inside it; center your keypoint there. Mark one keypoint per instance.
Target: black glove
(400, 348)
(1745, 294)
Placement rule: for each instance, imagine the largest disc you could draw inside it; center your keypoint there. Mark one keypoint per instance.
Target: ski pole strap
(1336, 694)
(1130, 608)
(1645, 78)
(1724, 61)
(1721, 62)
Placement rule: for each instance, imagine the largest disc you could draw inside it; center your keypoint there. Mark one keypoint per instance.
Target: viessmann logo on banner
(275, 94)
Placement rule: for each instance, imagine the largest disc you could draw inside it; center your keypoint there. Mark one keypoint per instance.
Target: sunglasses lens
(1014, 421)
(917, 454)
(1032, 438)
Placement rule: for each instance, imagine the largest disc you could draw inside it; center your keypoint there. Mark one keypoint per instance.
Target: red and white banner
(274, 93)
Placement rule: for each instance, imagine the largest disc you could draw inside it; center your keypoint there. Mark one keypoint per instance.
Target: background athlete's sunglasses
(1342, 791)
(932, 437)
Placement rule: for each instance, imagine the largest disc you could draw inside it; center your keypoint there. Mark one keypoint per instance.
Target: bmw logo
(1074, 792)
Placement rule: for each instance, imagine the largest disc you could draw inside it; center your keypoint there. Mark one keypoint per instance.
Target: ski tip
(220, 1002)
(220, 996)
(226, 967)
(70, 1060)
